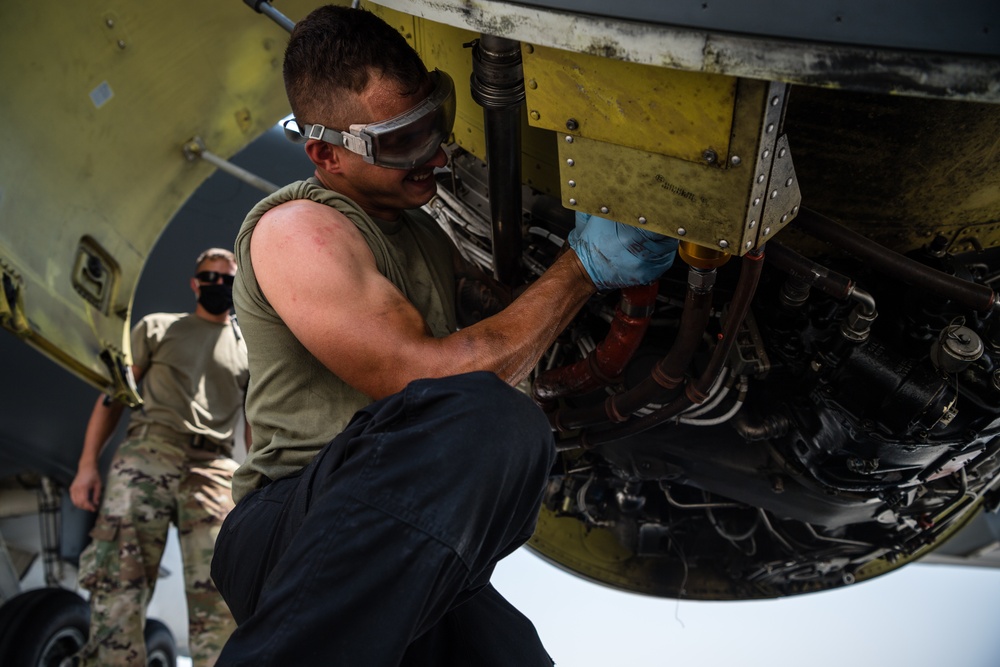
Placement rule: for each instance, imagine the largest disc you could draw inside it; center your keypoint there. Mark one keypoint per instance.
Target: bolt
(681, 231)
(709, 156)
(569, 139)
(572, 202)
(642, 219)
(570, 161)
(571, 124)
(723, 243)
(572, 184)
(535, 115)
(604, 209)
(532, 84)
(736, 160)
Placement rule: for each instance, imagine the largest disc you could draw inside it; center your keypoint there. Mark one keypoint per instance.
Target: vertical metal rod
(498, 86)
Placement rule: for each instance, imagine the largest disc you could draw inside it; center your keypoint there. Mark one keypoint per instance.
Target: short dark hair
(336, 50)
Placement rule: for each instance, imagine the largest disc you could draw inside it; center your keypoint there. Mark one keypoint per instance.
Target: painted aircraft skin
(108, 107)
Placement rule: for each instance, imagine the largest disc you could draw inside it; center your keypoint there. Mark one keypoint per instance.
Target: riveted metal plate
(719, 208)
(656, 109)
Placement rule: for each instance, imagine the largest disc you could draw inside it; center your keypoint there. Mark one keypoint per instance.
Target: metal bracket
(124, 387)
(12, 303)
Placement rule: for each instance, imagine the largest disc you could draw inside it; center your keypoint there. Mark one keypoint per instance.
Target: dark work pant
(380, 552)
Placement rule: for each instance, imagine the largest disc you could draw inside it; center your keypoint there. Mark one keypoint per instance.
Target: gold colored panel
(655, 109)
(731, 205)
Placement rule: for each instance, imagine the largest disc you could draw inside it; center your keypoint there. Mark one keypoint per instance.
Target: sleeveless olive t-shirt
(295, 405)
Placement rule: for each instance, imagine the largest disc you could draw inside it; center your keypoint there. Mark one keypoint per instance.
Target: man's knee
(494, 422)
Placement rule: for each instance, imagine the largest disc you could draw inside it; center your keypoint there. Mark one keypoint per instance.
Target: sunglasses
(213, 277)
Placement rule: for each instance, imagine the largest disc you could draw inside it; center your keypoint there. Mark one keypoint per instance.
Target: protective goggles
(402, 142)
(213, 277)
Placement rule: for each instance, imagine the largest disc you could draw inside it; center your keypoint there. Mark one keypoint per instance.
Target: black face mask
(216, 299)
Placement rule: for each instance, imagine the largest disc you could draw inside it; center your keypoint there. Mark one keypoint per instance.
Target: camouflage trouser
(153, 482)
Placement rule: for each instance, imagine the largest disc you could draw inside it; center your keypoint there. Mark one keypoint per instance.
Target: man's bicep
(370, 337)
(323, 281)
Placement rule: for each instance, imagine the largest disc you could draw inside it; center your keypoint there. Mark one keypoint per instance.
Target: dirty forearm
(511, 342)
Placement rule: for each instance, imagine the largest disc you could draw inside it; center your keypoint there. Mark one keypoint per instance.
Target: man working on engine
(393, 464)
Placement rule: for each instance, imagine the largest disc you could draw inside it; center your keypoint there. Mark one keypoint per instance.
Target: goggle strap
(355, 144)
(349, 141)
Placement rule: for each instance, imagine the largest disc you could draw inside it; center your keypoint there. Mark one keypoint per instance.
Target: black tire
(43, 627)
(161, 650)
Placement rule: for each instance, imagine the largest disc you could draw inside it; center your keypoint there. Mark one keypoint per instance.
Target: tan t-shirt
(295, 405)
(195, 374)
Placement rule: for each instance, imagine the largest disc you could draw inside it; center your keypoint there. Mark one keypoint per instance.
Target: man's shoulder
(307, 193)
(162, 320)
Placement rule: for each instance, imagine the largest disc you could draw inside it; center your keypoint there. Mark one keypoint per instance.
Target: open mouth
(420, 177)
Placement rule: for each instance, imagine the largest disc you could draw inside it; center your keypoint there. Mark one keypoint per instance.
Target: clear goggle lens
(402, 142)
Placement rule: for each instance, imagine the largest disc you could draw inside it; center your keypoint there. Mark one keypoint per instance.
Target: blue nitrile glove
(617, 255)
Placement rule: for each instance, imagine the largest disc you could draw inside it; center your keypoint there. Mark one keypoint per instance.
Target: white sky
(917, 616)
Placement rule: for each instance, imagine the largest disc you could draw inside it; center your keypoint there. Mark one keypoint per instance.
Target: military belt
(192, 440)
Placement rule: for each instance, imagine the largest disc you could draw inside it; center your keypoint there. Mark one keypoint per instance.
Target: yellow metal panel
(730, 204)
(99, 98)
(655, 109)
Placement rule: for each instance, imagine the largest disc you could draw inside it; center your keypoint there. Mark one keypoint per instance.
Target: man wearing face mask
(175, 466)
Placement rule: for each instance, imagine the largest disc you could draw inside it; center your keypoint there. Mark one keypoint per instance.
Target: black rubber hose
(979, 297)
(815, 275)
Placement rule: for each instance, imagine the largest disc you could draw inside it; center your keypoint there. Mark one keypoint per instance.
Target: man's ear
(325, 156)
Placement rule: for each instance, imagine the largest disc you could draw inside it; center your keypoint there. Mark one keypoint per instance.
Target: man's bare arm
(320, 276)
